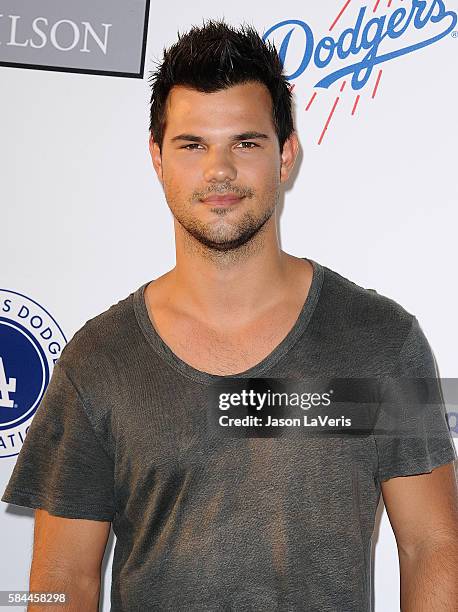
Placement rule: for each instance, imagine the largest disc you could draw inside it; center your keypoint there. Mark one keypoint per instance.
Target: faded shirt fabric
(211, 524)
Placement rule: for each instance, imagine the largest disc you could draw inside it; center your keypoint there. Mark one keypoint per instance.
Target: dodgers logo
(371, 42)
(30, 343)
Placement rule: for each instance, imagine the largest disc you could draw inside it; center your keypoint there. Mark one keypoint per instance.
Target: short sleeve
(412, 434)
(62, 467)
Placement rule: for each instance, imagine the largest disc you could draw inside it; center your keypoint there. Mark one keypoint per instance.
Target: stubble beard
(225, 243)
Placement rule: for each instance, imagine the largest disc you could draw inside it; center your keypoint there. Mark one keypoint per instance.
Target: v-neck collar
(261, 367)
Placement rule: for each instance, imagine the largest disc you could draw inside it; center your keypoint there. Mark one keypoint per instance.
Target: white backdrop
(86, 220)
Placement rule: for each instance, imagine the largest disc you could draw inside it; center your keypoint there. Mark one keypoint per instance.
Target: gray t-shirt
(233, 524)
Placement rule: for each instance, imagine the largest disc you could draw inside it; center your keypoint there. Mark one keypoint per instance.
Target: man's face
(220, 164)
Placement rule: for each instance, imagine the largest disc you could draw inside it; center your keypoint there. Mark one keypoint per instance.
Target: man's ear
(156, 158)
(288, 156)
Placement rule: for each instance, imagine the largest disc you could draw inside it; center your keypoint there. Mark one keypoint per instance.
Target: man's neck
(238, 292)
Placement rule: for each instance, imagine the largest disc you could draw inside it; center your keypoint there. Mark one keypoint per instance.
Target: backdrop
(374, 196)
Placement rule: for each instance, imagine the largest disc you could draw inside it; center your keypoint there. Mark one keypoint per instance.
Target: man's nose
(219, 166)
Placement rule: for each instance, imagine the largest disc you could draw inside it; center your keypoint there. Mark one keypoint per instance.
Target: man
(205, 522)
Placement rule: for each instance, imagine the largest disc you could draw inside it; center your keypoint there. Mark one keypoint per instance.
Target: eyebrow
(235, 137)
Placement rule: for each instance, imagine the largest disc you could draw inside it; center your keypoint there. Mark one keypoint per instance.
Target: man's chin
(224, 237)
(222, 245)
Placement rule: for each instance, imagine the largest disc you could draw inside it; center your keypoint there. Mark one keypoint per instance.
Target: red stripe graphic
(355, 105)
(376, 84)
(311, 100)
(340, 14)
(343, 86)
(328, 121)
(376, 5)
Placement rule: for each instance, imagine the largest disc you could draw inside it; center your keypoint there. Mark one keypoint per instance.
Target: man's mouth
(221, 200)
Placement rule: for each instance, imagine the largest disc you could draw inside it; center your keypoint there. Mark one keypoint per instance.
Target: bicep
(422, 509)
(72, 546)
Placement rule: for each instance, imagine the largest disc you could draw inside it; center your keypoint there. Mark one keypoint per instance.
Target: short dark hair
(217, 56)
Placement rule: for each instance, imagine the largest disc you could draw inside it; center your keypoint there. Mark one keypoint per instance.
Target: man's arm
(423, 512)
(67, 558)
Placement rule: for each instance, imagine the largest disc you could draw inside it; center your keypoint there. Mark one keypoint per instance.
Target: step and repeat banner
(374, 194)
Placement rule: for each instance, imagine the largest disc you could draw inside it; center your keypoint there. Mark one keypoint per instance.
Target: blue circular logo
(30, 343)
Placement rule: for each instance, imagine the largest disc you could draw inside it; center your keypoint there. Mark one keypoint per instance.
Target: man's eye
(191, 146)
(252, 145)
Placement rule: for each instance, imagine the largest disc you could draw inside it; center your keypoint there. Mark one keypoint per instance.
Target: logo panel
(349, 59)
(30, 343)
(102, 37)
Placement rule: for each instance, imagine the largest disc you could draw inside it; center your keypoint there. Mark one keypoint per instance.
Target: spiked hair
(214, 57)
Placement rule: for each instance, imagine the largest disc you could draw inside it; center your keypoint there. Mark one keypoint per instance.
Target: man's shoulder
(102, 338)
(355, 306)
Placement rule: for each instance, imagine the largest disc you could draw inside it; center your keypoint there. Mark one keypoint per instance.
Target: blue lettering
(309, 44)
(332, 78)
(328, 44)
(354, 33)
(371, 37)
(408, 22)
(395, 20)
(441, 13)
(378, 36)
(419, 22)
(355, 49)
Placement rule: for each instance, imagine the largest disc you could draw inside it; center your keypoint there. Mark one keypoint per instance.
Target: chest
(226, 349)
